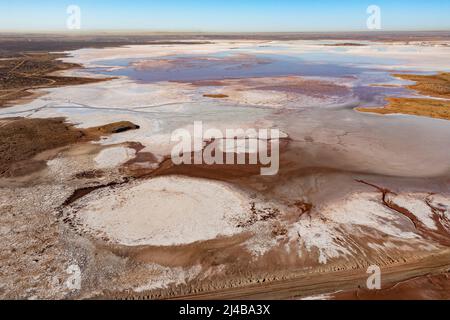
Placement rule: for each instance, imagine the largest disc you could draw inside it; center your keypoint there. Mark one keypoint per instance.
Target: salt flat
(353, 188)
(164, 211)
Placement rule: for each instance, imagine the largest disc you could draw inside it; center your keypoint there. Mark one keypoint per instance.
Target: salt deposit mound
(163, 211)
(112, 157)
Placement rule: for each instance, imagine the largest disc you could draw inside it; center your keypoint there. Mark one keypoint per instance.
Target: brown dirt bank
(216, 96)
(346, 44)
(433, 85)
(21, 139)
(25, 72)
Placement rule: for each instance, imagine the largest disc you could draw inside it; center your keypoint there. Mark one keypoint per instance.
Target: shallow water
(192, 68)
(330, 135)
(228, 65)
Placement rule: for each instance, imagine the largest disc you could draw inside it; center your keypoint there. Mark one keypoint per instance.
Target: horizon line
(148, 31)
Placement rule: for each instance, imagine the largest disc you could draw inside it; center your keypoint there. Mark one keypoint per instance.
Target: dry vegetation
(216, 96)
(439, 109)
(29, 71)
(437, 86)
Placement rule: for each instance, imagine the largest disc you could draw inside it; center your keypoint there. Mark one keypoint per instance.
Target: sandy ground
(431, 287)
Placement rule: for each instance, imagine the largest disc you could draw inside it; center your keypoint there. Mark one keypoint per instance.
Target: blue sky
(224, 16)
